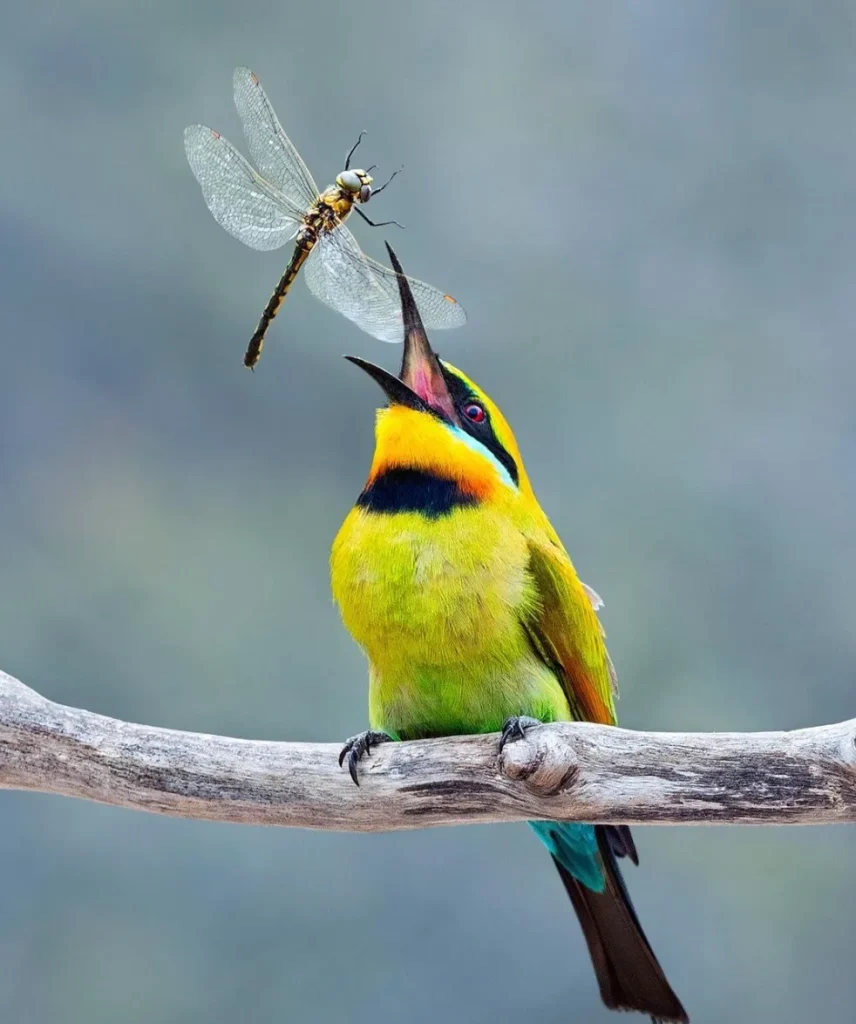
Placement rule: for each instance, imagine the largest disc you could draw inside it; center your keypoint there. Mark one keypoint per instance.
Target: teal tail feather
(628, 973)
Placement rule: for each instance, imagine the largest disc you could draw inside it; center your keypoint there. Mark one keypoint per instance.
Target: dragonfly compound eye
(365, 193)
(350, 180)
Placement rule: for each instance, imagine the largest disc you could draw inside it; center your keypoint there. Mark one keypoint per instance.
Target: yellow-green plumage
(437, 605)
(450, 608)
(450, 577)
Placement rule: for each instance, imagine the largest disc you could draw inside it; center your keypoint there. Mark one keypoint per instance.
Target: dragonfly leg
(353, 150)
(377, 224)
(375, 191)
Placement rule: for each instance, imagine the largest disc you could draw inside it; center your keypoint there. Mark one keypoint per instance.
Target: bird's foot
(358, 745)
(515, 729)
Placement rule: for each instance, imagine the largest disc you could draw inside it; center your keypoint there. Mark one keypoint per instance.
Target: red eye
(474, 412)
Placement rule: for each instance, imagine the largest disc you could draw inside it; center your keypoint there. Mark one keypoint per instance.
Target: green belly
(432, 702)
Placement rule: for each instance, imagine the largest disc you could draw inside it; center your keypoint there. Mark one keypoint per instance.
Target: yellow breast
(426, 591)
(437, 604)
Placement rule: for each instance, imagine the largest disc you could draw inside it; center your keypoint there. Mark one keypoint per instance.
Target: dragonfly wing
(439, 310)
(270, 148)
(340, 274)
(242, 202)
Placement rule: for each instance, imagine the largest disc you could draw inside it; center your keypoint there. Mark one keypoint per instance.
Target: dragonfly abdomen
(306, 240)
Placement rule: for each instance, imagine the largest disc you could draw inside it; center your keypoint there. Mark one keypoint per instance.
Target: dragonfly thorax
(357, 182)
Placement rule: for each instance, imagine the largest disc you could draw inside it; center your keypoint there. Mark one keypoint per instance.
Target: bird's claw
(515, 728)
(358, 745)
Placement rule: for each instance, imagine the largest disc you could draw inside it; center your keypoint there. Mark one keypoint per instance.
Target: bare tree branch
(571, 771)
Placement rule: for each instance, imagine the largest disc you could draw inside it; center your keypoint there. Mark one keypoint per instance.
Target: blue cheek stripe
(477, 446)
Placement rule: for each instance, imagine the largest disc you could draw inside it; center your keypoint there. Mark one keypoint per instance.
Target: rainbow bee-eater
(450, 577)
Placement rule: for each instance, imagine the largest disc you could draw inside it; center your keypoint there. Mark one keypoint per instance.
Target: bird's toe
(515, 728)
(357, 746)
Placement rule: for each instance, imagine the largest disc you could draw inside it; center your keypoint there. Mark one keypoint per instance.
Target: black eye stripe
(483, 432)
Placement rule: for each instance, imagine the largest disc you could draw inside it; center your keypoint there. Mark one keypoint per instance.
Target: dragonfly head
(357, 182)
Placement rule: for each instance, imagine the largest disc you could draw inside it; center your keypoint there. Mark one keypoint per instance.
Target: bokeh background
(649, 212)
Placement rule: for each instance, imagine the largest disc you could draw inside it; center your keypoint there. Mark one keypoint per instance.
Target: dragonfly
(280, 202)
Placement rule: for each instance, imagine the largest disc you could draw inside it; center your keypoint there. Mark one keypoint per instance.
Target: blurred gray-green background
(648, 211)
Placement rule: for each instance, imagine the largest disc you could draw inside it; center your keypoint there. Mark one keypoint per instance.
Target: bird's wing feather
(568, 635)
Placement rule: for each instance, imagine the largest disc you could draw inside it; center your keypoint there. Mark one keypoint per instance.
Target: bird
(449, 575)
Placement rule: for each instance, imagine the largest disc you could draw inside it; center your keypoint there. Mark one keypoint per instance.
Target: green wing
(568, 635)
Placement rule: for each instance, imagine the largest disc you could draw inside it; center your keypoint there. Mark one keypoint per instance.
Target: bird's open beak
(421, 383)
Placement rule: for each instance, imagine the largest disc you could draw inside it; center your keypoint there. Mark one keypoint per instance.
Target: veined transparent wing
(340, 274)
(242, 202)
(270, 148)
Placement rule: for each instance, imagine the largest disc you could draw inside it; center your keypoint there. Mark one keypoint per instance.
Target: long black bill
(421, 383)
(417, 348)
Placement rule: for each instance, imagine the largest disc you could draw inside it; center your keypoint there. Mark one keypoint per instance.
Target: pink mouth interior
(431, 388)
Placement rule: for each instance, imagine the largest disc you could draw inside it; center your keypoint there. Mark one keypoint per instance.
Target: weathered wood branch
(579, 772)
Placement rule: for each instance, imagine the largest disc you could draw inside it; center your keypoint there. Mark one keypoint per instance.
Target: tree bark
(578, 772)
